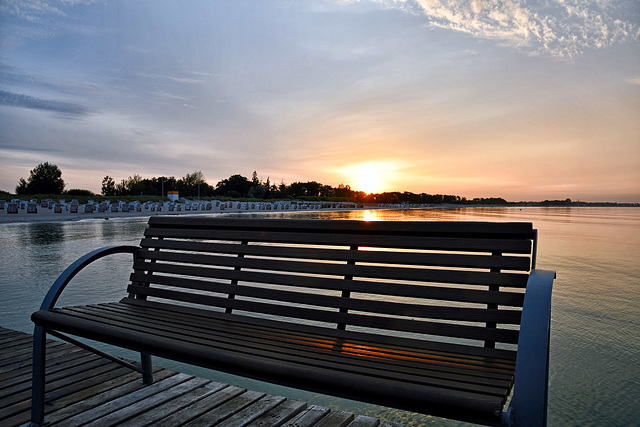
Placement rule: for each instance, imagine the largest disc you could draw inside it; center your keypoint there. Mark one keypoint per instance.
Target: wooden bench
(421, 316)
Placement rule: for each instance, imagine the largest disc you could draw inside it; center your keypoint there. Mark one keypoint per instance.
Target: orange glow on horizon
(370, 177)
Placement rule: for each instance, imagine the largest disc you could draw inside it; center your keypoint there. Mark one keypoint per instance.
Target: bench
(445, 318)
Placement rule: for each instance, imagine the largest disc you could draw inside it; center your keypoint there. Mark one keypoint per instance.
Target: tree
(257, 190)
(193, 179)
(44, 179)
(192, 185)
(236, 183)
(108, 186)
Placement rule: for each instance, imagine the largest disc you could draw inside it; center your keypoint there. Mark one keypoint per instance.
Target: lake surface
(595, 338)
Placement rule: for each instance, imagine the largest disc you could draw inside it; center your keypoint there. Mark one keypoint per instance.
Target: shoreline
(44, 215)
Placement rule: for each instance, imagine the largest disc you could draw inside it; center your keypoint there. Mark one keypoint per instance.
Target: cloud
(634, 80)
(28, 9)
(563, 28)
(24, 101)
(31, 10)
(168, 95)
(38, 19)
(186, 80)
(22, 148)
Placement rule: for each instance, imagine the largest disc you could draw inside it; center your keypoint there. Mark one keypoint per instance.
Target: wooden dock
(85, 389)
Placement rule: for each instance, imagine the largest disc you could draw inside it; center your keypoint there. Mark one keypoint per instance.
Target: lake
(595, 332)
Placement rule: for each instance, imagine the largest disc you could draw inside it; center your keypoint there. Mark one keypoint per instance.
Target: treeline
(238, 187)
(234, 187)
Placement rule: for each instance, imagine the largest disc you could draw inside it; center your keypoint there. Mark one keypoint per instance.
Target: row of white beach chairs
(215, 205)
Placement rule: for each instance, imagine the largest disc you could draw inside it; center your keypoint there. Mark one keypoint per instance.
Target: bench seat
(403, 375)
(424, 317)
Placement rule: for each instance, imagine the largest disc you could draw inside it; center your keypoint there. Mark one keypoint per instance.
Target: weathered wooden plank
(14, 348)
(226, 410)
(19, 413)
(86, 399)
(335, 419)
(9, 341)
(176, 404)
(117, 395)
(57, 380)
(200, 407)
(280, 414)
(91, 379)
(253, 412)
(308, 417)
(58, 356)
(9, 333)
(148, 403)
(110, 406)
(22, 361)
(55, 361)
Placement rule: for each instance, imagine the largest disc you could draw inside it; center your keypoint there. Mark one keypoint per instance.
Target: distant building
(173, 196)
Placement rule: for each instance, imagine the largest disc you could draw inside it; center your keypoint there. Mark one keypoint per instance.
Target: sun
(367, 180)
(370, 177)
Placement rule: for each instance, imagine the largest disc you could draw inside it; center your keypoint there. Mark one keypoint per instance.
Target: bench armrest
(529, 402)
(61, 282)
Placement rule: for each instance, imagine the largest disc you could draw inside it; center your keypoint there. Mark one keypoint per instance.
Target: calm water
(595, 340)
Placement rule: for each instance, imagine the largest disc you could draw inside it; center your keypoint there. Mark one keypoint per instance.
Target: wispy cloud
(168, 95)
(23, 147)
(24, 101)
(33, 9)
(564, 28)
(186, 80)
(634, 80)
(28, 9)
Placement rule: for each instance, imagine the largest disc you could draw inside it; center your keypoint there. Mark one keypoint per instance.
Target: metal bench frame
(528, 405)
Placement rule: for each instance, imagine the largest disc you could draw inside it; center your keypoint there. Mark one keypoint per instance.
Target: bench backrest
(457, 282)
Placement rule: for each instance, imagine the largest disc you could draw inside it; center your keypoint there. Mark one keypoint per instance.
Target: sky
(521, 99)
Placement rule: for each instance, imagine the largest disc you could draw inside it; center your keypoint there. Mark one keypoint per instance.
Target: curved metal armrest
(529, 403)
(61, 282)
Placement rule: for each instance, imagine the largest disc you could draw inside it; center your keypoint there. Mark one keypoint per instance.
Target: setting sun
(370, 177)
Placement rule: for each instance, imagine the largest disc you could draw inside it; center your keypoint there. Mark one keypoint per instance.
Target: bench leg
(147, 375)
(38, 376)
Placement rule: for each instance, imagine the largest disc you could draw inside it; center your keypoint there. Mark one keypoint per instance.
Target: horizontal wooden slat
(307, 267)
(362, 256)
(516, 246)
(514, 229)
(379, 288)
(337, 302)
(366, 321)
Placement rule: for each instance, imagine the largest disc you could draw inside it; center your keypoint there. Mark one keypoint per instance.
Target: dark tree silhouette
(44, 179)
